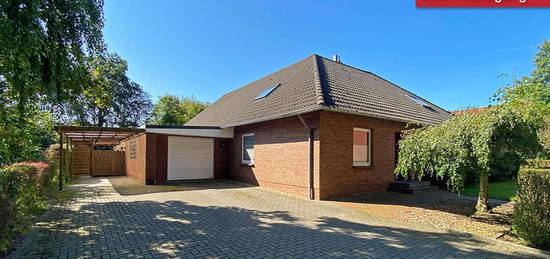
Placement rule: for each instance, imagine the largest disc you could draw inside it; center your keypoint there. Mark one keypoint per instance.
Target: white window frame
(243, 148)
(369, 148)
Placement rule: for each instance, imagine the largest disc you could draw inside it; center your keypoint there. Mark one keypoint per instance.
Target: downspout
(310, 158)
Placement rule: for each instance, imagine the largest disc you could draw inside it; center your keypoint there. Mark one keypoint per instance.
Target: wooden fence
(80, 159)
(107, 162)
(96, 162)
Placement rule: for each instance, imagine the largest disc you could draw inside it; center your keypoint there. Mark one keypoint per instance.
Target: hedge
(532, 212)
(24, 189)
(21, 186)
(537, 163)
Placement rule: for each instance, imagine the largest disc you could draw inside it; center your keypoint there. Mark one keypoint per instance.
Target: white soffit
(197, 132)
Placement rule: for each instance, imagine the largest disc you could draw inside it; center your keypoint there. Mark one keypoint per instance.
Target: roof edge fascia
(325, 108)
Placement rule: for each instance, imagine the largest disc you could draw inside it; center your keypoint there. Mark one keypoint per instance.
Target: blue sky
(452, 57)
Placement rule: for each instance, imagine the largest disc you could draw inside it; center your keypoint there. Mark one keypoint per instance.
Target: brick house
(317, 129)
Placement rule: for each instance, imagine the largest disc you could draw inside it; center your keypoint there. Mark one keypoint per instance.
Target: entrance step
(411, 186)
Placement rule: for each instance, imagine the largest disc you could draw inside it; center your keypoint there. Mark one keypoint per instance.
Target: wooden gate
(107, 162)
(80, 159)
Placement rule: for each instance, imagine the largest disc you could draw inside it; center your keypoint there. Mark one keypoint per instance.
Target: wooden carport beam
(92, 135)
(94, 128)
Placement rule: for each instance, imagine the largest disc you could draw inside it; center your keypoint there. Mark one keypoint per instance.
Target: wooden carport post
(70, 145)
(92, 158)
(60, 160)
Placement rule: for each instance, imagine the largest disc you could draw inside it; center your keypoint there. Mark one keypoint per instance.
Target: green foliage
(112, 98)
(530, 95)
(43, 45)
(175, 111)
(19, 199)
(538, 163)
(467, 144)
(532, 212)
(24, 143)
(43, 49)
(544, 135)
(25, 189)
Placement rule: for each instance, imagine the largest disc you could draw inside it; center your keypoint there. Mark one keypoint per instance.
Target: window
(133, 152)
(266, 92)
(361, 147)
(104, 148)
(418, 100)
(248, 149)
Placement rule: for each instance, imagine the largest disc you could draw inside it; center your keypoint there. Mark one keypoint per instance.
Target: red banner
(482, 3)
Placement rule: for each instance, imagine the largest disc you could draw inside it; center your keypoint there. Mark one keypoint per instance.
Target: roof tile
(318, 83)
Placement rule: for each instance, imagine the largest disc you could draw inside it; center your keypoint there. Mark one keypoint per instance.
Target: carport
(79, 155)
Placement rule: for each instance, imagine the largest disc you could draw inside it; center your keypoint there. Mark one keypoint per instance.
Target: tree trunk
(483, 200)
(100, 117)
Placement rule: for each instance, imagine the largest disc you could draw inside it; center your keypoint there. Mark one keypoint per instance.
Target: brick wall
(338, 175)
(135, 168)
(280, 155)
(162, 158)
(157, 157)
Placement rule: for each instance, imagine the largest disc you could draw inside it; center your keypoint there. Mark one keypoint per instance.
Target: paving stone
(235, 221)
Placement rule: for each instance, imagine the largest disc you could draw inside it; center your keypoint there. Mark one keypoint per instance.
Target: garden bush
(24, 190)
(532, 212)
(538, 163)
(20, 197)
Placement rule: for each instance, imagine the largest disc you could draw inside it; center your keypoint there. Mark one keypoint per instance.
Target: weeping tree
(468, 144)
(43, 49)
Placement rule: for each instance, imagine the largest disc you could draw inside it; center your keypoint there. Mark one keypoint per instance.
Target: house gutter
(311, 192)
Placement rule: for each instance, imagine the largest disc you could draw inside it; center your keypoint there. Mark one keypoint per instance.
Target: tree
(468, 143)
(530, 95)
(24, 143)
(112, 98)
(544, 135)
(171, 110)
(43, 47)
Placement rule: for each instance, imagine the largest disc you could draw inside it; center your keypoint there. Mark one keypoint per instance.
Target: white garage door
(190, 158)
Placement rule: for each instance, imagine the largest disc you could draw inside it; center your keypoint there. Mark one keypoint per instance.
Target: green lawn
(498, 190)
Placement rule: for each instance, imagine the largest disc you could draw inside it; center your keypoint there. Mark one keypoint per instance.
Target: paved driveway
(236, 221)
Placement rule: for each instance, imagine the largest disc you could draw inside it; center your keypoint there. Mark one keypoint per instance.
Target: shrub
(24, 189)
(20, 198)
(51, 155)
(538, 163)
(532, 212)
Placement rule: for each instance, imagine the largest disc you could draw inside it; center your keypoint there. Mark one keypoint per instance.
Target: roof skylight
(267, 91)
(418, 100)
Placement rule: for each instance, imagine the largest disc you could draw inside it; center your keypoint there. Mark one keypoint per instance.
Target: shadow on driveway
(177, 228)
(127, 186)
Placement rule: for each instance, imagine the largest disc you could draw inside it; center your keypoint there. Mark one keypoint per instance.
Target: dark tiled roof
(317, 83)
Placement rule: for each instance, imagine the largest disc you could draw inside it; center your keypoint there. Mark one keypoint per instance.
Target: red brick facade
(135, 167)
(338, 175)
(151, 163)
(281, 153)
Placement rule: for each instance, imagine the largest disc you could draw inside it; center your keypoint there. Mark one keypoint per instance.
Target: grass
(498, 190)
